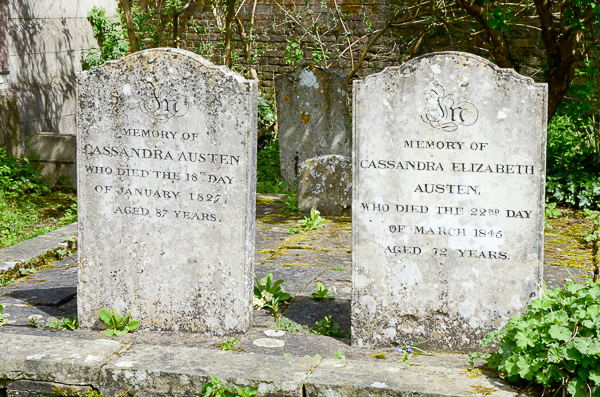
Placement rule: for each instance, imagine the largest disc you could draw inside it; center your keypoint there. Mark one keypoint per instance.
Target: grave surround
(313, 117)
(448, 201)
(166, 185)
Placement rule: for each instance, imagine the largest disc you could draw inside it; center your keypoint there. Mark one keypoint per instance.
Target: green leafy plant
(592, 235)
(65, 324)
(551, 213)
(216, 388)
(290, 204)
(556, 343)
(19, 175)
(270, 295)
(283, 324)
(321, 293)
(34, 321)
(338, 354)
(117, 325)
(3, 319)
(230, 344)
(25, 271)
(327, 327)
(308, 224)
(111, 38)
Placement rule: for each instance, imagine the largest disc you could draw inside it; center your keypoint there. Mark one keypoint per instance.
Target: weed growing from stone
(117, 325)
(25, 271)
(230, 344)
(215, 388)
(338, 354)
(327, 327)
(556, 343)
(290, 204)
(267, 295)
(551, 213)
(283, 324)
(408, 350)
(66, 324)
(321, 293)
(34, 321)
(308, 224)
(3, 319)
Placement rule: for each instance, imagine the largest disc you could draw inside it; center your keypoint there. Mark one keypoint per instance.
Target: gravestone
(448, 208)
(325, 184)
(166, 184)
(312, 117)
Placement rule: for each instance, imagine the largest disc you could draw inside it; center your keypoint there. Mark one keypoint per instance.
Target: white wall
(46, 38)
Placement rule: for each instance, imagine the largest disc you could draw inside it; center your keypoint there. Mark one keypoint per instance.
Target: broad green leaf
(524, 368)
(555, 355)
(581, 344)
(122, 331)
(540, 304)
(105, 316)
(595, 377)
(576, 388)
(560, 333)
(133, 325)
(109, 332)
(525, 338)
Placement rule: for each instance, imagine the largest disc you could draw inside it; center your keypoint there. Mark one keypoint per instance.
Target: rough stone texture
(174, 371)
(27, 388)
(57, 155)
(166, 187)
(355, 378)
(325, 183)
(313, 117)
(63, 360)
(448, 210)
(45, 43)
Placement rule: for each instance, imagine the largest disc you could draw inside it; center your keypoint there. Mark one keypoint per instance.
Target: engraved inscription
(447, 111)
(163, 104)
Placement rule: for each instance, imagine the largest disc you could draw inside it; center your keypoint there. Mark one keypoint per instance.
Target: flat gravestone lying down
(325, 184)
(448, 210)
(313, 117)
(167, 170)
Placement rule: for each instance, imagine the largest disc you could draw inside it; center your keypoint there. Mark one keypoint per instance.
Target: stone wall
(273, 33)
(45, 40)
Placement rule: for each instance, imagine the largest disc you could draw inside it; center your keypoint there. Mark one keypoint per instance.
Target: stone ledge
(150, 370)
(38, 248)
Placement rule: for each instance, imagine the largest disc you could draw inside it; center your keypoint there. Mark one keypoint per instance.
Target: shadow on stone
(307, 312)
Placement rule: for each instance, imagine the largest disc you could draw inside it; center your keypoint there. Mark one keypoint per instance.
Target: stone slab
(313, 117)
(325, 184)
(359, 378)
(448, 201)
(166, 187)
(52, 146)
(158, 371)
(36, 247)
(63, 360)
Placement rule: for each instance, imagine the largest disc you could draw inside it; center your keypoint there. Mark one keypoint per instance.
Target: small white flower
(267, 295)
(263, 282)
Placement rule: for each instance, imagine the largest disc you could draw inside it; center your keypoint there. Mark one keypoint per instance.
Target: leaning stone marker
(166, 184)
(448, 201)
(312, 117)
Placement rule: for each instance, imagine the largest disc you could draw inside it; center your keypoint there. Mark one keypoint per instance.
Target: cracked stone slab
(358, 378)
(159, 371)
(54, 359)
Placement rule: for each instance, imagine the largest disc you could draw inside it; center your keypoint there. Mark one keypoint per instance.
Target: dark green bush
(18, 175)
(556, 343)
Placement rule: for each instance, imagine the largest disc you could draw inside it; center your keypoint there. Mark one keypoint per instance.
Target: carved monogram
(163, 104)
(447, 112)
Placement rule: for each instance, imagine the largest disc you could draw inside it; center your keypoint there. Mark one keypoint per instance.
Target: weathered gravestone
(166, 177)
(325, 184)
(312, 117)
(448, 201)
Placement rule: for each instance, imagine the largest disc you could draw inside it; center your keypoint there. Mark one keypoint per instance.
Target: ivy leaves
(556, 343)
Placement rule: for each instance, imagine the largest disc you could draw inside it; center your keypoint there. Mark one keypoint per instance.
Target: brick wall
(277, 21)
